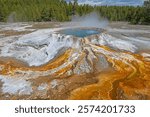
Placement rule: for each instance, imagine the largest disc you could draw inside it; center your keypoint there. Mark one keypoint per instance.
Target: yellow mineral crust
(128, 78)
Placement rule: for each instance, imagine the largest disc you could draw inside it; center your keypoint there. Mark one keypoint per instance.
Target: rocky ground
(36, 62)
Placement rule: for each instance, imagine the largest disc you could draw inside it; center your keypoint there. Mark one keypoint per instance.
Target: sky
(112, 2)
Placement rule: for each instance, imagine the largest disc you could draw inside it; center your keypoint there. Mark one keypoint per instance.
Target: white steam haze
(92, 20)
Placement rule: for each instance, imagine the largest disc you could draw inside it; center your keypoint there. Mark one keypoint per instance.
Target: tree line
(39, 10)
(60, 10)
(134, 15)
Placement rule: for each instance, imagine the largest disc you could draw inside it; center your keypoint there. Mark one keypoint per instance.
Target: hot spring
(79, 32)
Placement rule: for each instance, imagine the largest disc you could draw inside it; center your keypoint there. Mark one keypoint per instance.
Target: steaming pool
(78, 32)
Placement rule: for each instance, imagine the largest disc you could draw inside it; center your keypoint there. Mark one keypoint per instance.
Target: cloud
(111, 2)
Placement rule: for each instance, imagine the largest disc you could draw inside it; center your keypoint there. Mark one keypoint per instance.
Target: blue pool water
(80, 32)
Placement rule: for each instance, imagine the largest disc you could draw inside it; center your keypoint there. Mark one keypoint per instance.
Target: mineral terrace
(43, 63)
